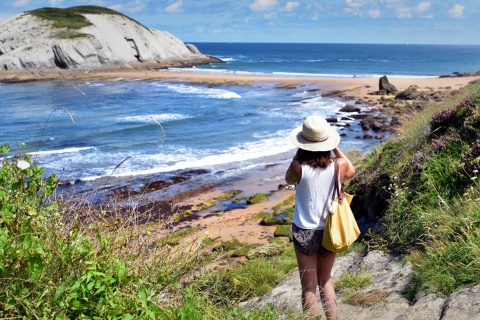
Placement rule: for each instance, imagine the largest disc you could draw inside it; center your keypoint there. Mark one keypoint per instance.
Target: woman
(312, 171)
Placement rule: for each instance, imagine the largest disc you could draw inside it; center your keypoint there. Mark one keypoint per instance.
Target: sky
(300, 21)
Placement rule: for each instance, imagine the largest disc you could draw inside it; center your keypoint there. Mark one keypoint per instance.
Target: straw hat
(315, 135)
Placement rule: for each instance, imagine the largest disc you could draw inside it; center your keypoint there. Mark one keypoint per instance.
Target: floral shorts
(308, 242)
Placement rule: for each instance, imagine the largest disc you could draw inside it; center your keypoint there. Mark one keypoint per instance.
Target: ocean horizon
(129, 130)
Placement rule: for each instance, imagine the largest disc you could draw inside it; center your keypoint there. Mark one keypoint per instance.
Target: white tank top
(313, 197)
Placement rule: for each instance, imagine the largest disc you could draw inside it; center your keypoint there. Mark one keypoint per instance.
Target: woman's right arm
(347, 169)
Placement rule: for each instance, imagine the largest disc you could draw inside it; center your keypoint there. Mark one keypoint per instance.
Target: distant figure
(312, 172)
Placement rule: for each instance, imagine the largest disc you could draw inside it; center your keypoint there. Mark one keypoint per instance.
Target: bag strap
(337, 189)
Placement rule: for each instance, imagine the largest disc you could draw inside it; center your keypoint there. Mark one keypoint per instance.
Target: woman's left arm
(294, 173)
(347, 170)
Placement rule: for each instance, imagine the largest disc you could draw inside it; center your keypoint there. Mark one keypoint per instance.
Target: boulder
(411, 93)
(349, 108)
(384, 84)
(385, 296)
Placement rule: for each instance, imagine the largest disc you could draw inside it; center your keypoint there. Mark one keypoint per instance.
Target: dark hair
(314, 159)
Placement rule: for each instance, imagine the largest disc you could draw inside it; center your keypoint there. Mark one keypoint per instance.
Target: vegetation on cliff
(72, 18)
(423, 185)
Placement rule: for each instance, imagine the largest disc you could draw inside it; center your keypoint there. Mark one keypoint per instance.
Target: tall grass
(63, 257)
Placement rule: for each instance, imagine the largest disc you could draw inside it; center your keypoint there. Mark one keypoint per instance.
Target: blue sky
(319, 21)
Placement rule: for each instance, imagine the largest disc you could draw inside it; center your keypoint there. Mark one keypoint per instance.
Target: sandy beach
(356, 87)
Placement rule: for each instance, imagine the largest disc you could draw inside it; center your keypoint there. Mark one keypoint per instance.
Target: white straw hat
(315, 135)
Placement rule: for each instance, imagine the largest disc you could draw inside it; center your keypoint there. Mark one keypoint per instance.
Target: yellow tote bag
(341, 229)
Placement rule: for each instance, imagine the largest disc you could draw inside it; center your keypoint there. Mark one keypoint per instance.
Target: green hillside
(424, 186)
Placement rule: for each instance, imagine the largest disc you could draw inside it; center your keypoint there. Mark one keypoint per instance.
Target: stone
(384, 84)
(411, 93)
(349, 108)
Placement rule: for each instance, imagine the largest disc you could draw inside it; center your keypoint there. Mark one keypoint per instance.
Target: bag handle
(339, 191)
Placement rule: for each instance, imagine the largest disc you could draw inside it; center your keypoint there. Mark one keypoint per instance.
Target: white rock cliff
(29, 42)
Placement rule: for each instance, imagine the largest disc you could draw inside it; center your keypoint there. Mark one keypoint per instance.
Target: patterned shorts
(308, 242)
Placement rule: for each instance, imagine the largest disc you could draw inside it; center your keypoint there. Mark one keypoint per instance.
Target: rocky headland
(51, 43)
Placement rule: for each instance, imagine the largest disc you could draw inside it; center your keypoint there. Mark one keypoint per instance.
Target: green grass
(72, 18)
(246, 280)
(354, 281)
(62, 18)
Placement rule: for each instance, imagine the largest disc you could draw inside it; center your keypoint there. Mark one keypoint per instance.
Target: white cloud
(270, 16)
(428, 16)
(20, 3)
(291, 5)
(456, 11)
(174, 7)
(263, 5)
(404, 13)
(55, 3)
(375, 14)
(423, 6)
(314, 17)
(354, 3)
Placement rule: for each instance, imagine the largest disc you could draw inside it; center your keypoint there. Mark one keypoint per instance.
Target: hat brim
(327, 145)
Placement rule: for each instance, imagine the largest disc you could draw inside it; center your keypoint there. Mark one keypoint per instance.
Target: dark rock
(331, 120)
(359, 116)
(367, 136)
(411, 93)
(384, 84)
(379, 136)
(377, 126)
(349, 108)
(378, 93)
(367, 123)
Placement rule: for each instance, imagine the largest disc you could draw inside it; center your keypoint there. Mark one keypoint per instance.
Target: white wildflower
(474, 178)
(22, 164)
(475, 171)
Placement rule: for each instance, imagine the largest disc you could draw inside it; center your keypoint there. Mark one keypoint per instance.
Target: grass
(246, 280)
(354, 281)
(72, 18)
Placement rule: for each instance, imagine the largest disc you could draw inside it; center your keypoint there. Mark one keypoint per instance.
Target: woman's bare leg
(327, 292)
(307, 266)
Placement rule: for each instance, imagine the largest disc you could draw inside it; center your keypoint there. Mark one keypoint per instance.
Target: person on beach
(312, 172)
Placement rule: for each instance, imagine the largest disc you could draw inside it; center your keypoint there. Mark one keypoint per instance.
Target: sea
(127, 132)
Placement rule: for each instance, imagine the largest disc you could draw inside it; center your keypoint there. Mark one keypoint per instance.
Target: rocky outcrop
(29, 42)
(384, 84)
(383, 299)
